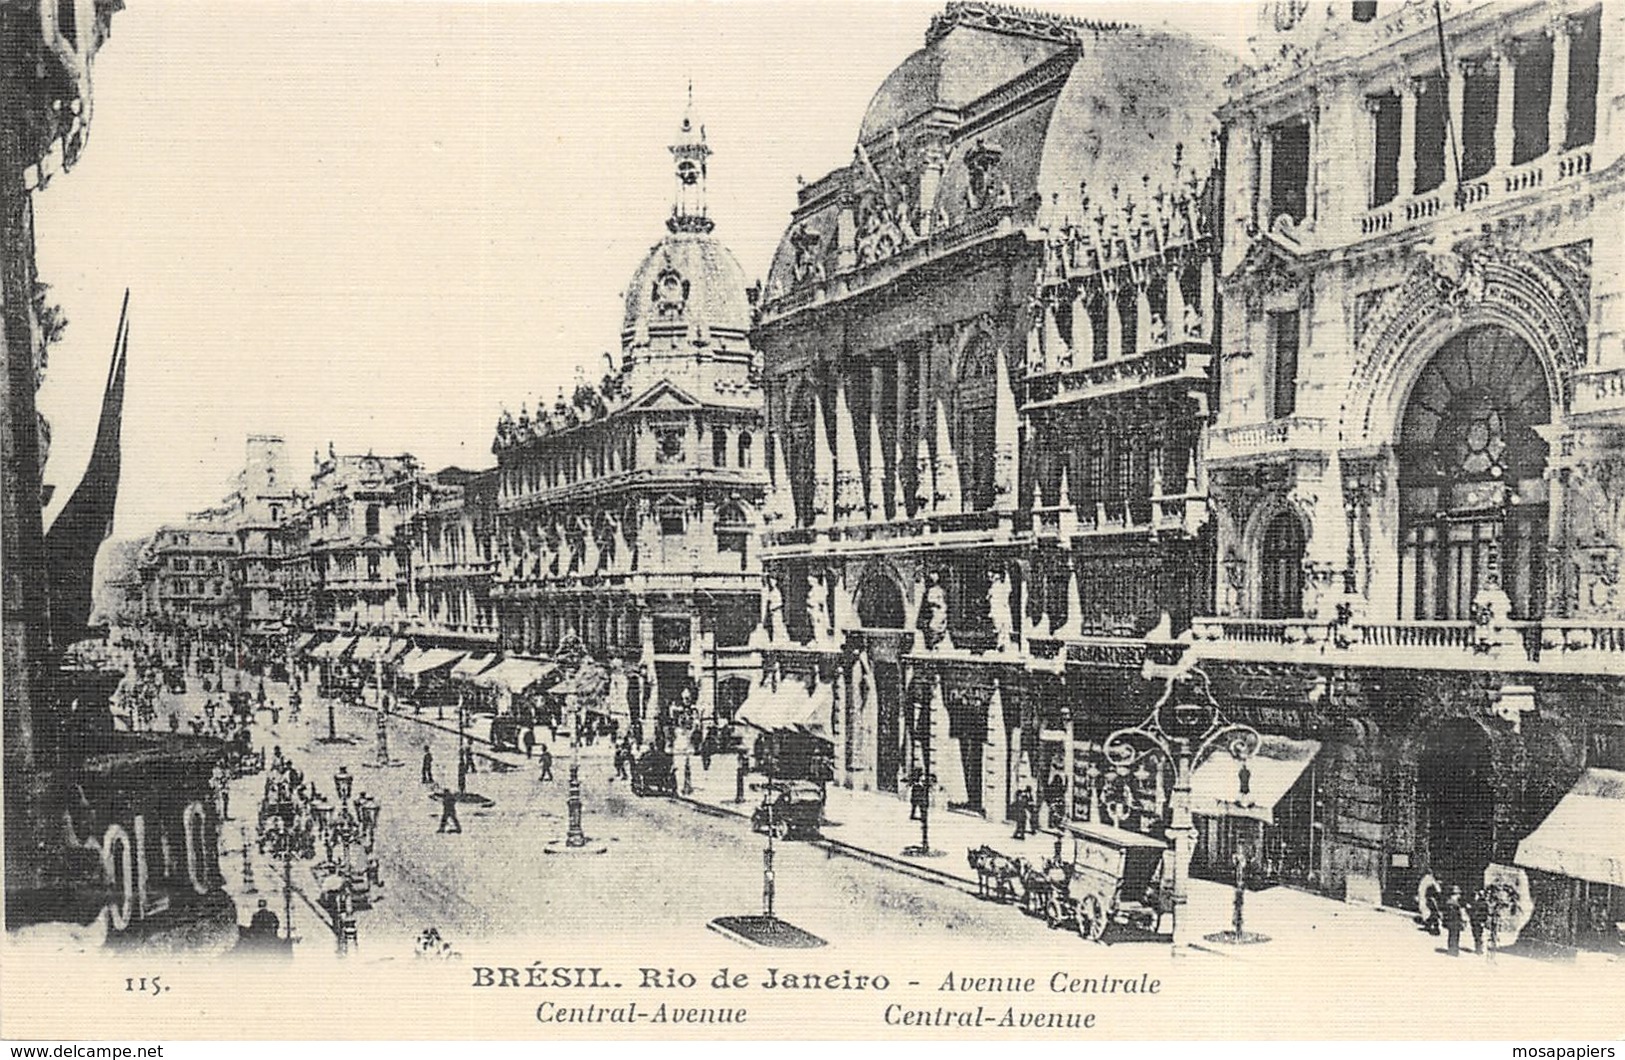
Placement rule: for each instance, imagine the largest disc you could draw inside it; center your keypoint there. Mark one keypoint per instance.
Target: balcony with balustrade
(1272, 440)
(1548, 646)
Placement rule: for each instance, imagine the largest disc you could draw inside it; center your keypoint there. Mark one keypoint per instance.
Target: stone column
(1505, 83)
(1266, 159)
(704, 646)
(1557, 116)
(1407, 138)
(1458, 93)
(646, 644)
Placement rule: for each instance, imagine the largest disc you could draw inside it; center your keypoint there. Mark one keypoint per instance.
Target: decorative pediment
(1270, 267)
(664, 396)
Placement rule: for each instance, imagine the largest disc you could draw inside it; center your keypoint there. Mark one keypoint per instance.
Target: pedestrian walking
(1453, 916)
(708, 747)
(1427, 902)
(428, 766)
(546, 758)
(448, 811)
(918, 796)
(1478, 917)
(1023, 799)
(528, 738)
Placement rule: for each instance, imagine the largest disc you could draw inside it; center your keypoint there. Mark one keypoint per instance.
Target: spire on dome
(689, 153)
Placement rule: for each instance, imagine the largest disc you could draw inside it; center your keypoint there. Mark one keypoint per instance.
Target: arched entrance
(880, 606)
(1455, 802)
(1473, 502)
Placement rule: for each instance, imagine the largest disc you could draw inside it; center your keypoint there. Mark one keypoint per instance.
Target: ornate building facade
(988, 346)
(628, 512)
(446, 559)
(1416, 469)
(350, 519)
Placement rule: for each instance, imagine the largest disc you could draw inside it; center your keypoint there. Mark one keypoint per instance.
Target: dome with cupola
(689, 288)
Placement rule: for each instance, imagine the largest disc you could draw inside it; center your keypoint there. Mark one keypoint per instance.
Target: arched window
(719, 447)
(744, 449)
(1280, 568)
(975, 399)
(1472, 493)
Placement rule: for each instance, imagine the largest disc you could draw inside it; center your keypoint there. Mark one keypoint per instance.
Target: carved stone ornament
(669, 293)
(805, 241)
(982, 161)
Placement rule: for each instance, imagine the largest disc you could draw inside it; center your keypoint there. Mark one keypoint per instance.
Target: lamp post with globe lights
(1183, 728)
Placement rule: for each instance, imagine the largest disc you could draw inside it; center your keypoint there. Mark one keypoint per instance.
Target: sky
(376, 223)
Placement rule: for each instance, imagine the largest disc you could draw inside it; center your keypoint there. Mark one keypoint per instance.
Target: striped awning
(791, 707)
(473, 666)
(423, 661)
(516, 674)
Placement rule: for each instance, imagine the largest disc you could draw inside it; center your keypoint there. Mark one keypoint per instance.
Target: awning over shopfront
(791, 707)
(397, 650)
(1584, 836)
(370, 649)
(473, 666)
(333, 649)
(423, 661)
(1216, 783)
(304, 641)
(516, 675)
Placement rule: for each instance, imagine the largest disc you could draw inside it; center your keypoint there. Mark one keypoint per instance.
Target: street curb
(856, 853)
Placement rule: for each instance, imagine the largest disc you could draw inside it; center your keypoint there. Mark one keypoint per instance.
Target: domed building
(627, 512)
(988, 351)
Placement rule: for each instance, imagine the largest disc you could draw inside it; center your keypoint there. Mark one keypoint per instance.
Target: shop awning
(473, 666)
(406, 660)
(333, 648)
(516, 675)
(425, 660)
(1216, 783)
(303, 642)
(370, 649)
(1584, 836)
(397, 650)
(791, 707)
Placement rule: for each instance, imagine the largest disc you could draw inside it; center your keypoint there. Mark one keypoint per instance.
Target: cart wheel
(1091, 918)
(1055, 911)
(780, 828)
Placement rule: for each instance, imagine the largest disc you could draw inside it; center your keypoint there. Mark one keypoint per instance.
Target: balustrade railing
(1273, 436)
(1541, 173)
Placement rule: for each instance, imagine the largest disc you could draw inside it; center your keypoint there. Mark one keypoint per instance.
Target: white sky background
(378, 223)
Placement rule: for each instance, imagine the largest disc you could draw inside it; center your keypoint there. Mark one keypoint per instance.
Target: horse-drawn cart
(1114, 877)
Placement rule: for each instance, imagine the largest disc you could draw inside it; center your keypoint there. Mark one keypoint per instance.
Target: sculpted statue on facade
(936, 614)
(818, 609)
(1000, 610)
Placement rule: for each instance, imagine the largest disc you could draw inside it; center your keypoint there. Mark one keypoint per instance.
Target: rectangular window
(1481, 86)
(1284, 343)
(1289, 171)
(1385, 123)
(372, 568)
(1531, 99)
(1584, 50)
(1429, 149)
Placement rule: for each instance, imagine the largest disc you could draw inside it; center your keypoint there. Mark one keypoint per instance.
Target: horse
(996, 874)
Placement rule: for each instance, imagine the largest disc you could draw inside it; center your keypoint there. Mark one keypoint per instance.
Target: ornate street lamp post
(1183, 728)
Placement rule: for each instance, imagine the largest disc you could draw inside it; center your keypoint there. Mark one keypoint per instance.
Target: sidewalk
(1301, 927)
